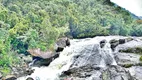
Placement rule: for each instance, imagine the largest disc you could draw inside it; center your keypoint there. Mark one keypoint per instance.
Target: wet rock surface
(127, 59)
(130, 47)
(90, 73)
(98, 58)
(82, 72)
(136, 72)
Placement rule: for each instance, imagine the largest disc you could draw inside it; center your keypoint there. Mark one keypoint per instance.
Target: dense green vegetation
(28, 24)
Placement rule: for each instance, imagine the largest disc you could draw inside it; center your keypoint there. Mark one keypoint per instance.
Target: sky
(133, 6)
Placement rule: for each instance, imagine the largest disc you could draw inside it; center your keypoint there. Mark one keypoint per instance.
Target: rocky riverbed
(98, 58)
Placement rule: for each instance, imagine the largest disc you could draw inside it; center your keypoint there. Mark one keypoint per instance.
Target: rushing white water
(107, 53)
(53, 71)
(63, 63)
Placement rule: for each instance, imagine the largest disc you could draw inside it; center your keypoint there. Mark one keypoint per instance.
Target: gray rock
(90, 73)
(127, 59)
(136, 72)
(88, 54)
(95, 76)
(116, 73)
(129, 46)
(43, 62)
(61, 44)
(84, 73)
(114, 43)
(102, 43)
(92, 54)
(122, 41)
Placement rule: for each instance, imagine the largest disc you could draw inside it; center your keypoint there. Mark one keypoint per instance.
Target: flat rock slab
(127, 58)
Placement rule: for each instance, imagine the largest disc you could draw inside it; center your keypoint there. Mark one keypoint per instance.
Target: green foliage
(140, 58)
(137, 30)
(5, 70)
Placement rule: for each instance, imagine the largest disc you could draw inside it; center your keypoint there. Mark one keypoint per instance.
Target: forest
(28, 24)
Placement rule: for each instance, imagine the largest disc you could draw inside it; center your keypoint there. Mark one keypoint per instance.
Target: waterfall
(88, 58)
(108, 55)
(54, 70)
(89, 52)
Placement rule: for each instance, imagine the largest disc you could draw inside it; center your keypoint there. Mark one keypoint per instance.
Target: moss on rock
(137, 50)
(140, 58)
(127, 65)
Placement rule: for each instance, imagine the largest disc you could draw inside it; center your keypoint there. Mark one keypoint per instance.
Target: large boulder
(61, 44)
(90, 73)
(115, 42)
(82, 73)
(91, 54)
(42, 54)
(127, 59)
(42, 58)
(43, 62)
(134, 46)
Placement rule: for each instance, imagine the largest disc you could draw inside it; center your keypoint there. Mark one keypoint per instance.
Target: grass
(5, 70)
